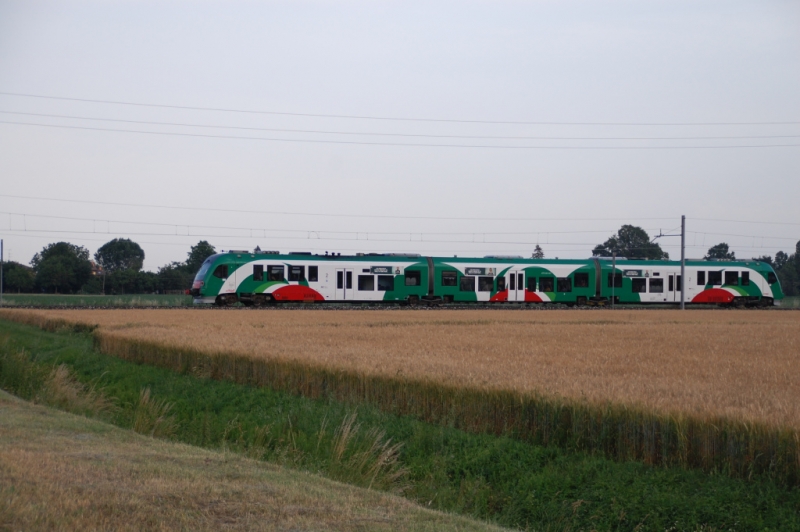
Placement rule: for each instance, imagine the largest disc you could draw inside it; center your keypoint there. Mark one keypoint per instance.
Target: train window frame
(581, 280)
(531, 287)
(615, 280)
(413, 277)
(546, 282)
(258, 272)
(485, 283)
(745, 278)
(297, 273)
(467, 283)
(313, 274)
(449, 278)
(366, 283)
(276, 272)
(656, 286)
(715, 277)
(731, 276)
(701, 278)
(385, 283)
(639, 285)
(221, 272)
(564, 285)
(501, 283)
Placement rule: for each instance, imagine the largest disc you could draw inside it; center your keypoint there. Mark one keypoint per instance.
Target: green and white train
(270, 277)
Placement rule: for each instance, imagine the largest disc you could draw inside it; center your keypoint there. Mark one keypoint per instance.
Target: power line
(397, 119)
(332, 215)
(371, 133)
(406, 144)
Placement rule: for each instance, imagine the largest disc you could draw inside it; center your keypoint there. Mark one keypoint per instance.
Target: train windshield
(203, 270)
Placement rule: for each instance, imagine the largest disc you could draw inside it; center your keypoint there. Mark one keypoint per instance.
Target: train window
(581, 280)
(258, 272)
(348, 279)
(701, 278)
(485, 284)
(297, 273)
(615, 280)
(715, 278)
(313, 273)
(221, 271)
(564, 284)
(467, 283)
(413, 278)
(275, 273)
(532, 284)
(501, 283)
(365, 270)
(656, 286)
(732, 278)
(679, 282)
(639, 285)
(771, 278)
(366, 282)
(449, 278)
(512, 282)
(385, 283)
(745, 278)
(671, 283)
(546, 284)
(339, 280)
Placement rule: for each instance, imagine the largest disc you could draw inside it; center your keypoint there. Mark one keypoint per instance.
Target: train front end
(206, 285)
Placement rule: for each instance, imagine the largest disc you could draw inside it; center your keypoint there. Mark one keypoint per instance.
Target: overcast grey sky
(466, 63)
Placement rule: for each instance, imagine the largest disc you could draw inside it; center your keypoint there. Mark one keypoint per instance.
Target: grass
(93, 301)
(62, 472)
(791, 302)
(498, 478)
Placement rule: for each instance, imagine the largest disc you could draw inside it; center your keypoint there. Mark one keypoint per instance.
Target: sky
(444, 128)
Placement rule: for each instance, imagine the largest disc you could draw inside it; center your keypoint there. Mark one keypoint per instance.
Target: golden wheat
(734, 364)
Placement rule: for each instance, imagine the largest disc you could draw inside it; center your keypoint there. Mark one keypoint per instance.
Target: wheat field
(737, 364)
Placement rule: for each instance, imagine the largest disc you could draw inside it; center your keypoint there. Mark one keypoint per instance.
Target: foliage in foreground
(497, 478)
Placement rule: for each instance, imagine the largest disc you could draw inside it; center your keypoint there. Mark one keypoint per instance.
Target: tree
(174, 276)
(62, 266)
(120, 254)
(198, 255)
(781, 259)
(538, 252)
(17, 277)
(631, 242)
(720, 251)
(765, 258)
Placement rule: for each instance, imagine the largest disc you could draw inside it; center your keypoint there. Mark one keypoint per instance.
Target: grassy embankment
(497, 478)
(65, 472)
(88, 301)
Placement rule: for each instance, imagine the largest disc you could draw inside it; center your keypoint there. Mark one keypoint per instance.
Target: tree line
(66, 268)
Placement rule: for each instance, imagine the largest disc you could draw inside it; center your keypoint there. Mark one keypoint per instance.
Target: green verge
(496, 478)
(88, 300)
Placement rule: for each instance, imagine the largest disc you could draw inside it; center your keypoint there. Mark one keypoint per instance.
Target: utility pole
(683, 262)
(683, 259)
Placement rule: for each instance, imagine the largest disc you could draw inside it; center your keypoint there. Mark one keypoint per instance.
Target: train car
(270, 277)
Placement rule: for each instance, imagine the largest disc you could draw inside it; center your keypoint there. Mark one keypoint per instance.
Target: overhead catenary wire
(400, 144)
(381, 134)
(389, 118)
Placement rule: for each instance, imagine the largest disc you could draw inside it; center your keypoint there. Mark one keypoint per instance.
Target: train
(268, 277)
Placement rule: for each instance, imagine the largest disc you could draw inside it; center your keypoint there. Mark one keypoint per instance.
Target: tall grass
(734, 447)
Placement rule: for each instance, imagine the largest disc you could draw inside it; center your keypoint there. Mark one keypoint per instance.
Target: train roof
(415, 257)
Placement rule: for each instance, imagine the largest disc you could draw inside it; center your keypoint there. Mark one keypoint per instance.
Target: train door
(516, 285)
(674, 288)
(344, 284)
